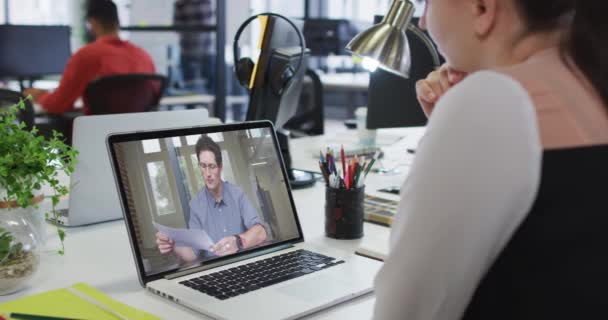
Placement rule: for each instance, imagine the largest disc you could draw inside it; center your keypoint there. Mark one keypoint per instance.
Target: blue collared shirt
(233, 214)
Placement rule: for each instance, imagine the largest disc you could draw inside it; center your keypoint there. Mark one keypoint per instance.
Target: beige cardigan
(570, 111)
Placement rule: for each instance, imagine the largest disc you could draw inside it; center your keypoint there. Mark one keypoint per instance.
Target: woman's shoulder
(487, 108)
(490, 79)
(485, 93)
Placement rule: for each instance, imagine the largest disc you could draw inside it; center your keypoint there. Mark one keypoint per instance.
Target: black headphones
(244, 66)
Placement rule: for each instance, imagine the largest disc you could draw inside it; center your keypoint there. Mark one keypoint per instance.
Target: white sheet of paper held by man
(196, 239)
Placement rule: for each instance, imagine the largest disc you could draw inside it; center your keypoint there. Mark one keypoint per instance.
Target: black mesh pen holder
(344, 213)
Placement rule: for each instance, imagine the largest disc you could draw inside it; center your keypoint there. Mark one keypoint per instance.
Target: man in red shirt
(108, 55)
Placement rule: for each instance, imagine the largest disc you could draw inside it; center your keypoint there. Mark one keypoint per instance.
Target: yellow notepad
(63, 303)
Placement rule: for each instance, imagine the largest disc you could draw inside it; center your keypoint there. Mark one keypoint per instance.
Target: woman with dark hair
(502, 215)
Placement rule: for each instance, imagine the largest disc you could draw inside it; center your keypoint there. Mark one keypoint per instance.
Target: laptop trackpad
(318, 289)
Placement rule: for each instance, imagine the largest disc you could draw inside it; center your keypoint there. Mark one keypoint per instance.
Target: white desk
(354, 85)
(393, 142)
(348, 81)
(206, 99)
(189, 99)
(100, 255)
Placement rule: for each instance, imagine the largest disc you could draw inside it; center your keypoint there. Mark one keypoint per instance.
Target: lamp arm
(427, 42)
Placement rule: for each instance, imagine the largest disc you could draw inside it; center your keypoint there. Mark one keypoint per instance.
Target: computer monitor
(28, 52)
(279, 48)
(328, 36)
(392, 99)
(265, 103)
(271, 98)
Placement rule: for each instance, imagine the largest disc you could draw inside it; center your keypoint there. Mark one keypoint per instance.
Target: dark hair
(585, 43)
(205, 143)
(104, 11)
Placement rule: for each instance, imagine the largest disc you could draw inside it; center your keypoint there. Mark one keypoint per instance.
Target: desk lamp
(385, 45)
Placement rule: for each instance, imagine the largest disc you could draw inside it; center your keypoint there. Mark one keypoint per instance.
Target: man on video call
(221, 209)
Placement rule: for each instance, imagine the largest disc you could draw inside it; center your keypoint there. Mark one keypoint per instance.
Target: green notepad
(63, 303)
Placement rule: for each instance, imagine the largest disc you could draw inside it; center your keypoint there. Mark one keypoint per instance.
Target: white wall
(44, 12)
(2, 20)
(160, 12)
(76, 21)
(364, 10)
(153, 12)
(286, 8)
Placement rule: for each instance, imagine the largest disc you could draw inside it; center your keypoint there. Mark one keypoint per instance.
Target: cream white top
(474, 179)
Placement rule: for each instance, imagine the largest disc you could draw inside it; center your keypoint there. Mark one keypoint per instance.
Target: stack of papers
(194, 238)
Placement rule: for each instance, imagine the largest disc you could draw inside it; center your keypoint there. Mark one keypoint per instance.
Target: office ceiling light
(385, 43)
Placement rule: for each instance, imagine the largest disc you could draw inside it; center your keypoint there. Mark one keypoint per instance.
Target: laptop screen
(196, 195)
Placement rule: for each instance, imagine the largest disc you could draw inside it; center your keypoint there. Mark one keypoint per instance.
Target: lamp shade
(386, 42)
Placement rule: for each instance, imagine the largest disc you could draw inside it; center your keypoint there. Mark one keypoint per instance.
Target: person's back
(552, 266)
(111, 55)
(108, 55)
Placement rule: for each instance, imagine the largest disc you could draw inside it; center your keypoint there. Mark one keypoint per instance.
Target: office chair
(309, 119)
(554, 266)
(9, 98)
(124, 93)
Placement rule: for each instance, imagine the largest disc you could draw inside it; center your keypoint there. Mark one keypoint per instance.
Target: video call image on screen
(199, 197)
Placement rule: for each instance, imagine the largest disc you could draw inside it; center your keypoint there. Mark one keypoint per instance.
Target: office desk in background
(205, 100)
(355, 83)
(350, 88)
(199, 99)
(394, 143)
(190, 100)
(100, 255)
(348, 81)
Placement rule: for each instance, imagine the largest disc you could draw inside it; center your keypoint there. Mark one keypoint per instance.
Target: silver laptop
(93, 197)
(225, 219)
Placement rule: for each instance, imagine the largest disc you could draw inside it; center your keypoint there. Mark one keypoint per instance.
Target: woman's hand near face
(436, 84)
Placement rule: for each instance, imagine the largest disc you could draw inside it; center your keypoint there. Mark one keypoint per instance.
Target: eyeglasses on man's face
(210, 166)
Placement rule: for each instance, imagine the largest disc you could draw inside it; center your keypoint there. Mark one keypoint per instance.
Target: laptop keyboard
(263, 273)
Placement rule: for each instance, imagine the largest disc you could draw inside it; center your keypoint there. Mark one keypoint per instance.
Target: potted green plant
(28, 162)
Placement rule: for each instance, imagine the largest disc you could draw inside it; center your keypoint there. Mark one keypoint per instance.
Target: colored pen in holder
(344, 212)
(344, 194)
